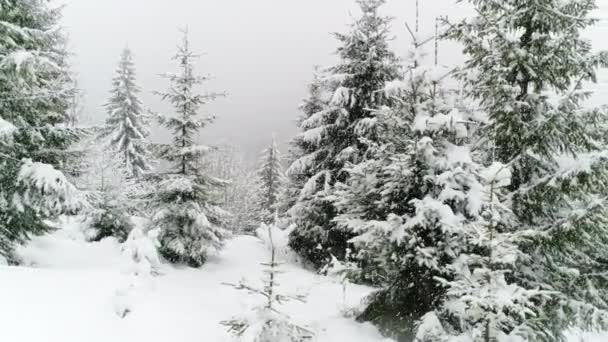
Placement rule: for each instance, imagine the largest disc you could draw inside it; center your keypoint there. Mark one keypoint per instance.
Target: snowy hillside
(70, 292)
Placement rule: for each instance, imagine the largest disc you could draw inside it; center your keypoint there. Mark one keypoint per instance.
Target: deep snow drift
(71, 289)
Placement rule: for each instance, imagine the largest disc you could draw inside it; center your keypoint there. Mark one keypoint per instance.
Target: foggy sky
(261, 52)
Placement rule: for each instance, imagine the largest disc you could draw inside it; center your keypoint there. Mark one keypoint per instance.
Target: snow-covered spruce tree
(267, 323)
(482, 302)
(526, 65)
(126, 125)
(298, 173)
(271, 181)
(407, 204)
(33, 101)
(187, 213)
(336, 133)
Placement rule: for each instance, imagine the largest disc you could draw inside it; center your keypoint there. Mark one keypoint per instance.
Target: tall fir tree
(297, 173)
(527, 62)
(186, 202)
(126, 125)
(34, 97)
(408, 202)
(271, 181)
(336, 134)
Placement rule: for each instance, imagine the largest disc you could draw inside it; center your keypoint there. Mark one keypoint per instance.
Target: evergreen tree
(298, 173)
(408, 202)
(126, 124)
(526, 65)
(34, 80)
(271, 181)
(268, 324)
(337, 133)
(187, 213)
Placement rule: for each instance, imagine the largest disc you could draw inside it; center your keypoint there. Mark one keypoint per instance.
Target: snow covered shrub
(140, 249)
(109, 220)
(267, 323)
(142, 263)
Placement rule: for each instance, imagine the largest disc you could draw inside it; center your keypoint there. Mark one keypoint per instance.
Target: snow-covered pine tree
(33, 101)
(407, 204)
(187, 213)
(527, 62)
(336, 134)
(271, 181)
(126, 125)
(267, 323)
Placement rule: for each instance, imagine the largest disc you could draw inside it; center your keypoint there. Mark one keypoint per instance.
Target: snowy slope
(70, 295)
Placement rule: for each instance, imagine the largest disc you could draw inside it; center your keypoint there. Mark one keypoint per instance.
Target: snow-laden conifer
(526, 64)
(186, 199)
(335, 135)
(408, 202)
(126, 125)
(33, 140)
(271, 181)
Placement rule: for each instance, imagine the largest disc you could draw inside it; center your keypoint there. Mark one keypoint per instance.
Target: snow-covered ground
(69, 293)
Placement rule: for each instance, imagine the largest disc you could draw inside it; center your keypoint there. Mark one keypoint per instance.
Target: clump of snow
(6, 129)
(46, 190)
(67, 249)
(341, 96)
(497, 173)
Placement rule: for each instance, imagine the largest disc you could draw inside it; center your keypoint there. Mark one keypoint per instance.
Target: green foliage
(109, 222)
(338, 122)
(186, 198)
(34, 96)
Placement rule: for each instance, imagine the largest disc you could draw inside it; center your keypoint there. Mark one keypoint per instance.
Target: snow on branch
(6, 129)
(46, 190)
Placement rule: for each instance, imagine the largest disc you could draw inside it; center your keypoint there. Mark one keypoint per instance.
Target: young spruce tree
(126, 125)
(268, 323)
(336, 134)
(187, 213)
(271, 181)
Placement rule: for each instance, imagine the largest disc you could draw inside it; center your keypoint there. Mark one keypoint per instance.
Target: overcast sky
(261, 52)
